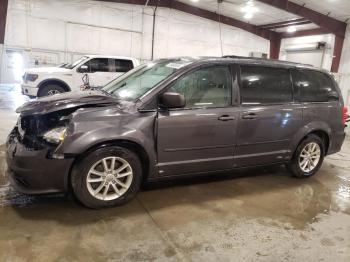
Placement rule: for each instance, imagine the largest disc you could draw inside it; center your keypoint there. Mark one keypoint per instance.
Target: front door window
(206, 87)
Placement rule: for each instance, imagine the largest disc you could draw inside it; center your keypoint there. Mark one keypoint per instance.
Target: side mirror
(172, 100)
(83, 69)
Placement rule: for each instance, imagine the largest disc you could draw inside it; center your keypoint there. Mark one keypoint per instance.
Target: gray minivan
(174, 117)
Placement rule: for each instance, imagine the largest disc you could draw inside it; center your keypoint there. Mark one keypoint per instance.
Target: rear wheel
(308, 157)
(107, 177)
(50, 90)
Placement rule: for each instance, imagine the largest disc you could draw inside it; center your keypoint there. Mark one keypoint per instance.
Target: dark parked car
(175, 117)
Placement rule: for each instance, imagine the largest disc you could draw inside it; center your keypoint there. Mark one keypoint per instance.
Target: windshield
(140, 80)
(77, 62)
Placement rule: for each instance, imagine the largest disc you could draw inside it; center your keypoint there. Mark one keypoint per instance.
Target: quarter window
(265, 85)
(206, 87)
(313, 86)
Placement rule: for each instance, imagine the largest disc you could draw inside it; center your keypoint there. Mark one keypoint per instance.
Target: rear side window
(265, 85)
(313, 86)
(120, 65)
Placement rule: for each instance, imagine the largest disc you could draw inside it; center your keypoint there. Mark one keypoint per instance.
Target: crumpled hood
(66, 101)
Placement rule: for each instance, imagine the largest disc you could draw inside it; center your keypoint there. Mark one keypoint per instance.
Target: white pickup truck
(44, 81)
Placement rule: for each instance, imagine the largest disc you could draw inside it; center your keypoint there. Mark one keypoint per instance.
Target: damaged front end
(41, 131)
(43, 123)
(34, 167)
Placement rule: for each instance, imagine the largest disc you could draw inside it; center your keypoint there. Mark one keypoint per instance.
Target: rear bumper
(336, 142)
(29, 90)
(33, 171)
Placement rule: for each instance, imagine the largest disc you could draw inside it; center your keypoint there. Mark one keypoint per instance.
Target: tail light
(345, 115)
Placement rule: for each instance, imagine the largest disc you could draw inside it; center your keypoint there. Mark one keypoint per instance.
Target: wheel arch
(324, 136)
(128, 144)
(323, 131)
(54, 81)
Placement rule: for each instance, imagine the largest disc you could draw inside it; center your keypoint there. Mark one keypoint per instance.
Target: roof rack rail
(263, 59)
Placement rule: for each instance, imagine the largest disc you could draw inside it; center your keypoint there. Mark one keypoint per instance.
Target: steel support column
(3, 14)
(338, 48)
(275, 46)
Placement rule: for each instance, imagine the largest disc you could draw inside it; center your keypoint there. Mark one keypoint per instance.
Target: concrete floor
(259, 214)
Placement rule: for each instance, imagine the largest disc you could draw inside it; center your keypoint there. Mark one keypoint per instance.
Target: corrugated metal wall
(344, 69)
(52, 32)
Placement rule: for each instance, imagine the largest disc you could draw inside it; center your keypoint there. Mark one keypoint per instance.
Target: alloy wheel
(53, 92)
(309, 157)
(109, 178)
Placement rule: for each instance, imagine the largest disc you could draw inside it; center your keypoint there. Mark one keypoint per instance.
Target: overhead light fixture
(249, 9)
(291, 29)
(195, 0)
(248, 15)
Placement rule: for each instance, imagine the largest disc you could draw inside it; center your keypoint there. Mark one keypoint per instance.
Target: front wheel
(308, 157)
(50, 90)
(107, 177)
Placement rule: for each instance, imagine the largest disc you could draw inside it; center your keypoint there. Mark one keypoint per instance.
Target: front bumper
(32, 171)
(29, 90)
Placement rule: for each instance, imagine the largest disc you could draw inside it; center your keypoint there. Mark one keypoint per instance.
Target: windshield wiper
(103, 91)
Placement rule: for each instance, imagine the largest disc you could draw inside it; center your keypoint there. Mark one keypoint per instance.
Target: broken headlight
(55, 135)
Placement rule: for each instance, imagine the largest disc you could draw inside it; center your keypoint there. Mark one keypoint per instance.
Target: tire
(297, 165)
(50, 90)
(92, 194)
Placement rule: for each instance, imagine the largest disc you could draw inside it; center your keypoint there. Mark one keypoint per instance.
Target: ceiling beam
(284, 22)
(265, 33)
(308, 32)
(193, 10)
(334, 26)
(294, 22)
(160, 3)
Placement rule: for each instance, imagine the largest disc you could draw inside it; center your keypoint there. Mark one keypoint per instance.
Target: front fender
(86, 133)
(80, 142)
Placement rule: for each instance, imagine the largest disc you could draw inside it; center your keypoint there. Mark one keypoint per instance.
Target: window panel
(206, 87)
(313, 86)
(265, 85)
(121, 65)
(98, 65)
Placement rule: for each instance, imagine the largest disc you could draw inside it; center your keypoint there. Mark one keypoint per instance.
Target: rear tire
(308, 157)
(97, 183)
(50, 90)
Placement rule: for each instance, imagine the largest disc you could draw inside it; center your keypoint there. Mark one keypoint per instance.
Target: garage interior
(255, 214)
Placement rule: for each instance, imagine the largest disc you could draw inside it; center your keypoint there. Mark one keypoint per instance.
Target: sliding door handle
(226, 118)
(249, 115)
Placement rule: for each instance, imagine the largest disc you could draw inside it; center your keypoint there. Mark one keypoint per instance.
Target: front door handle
(249, 115)
(226, 118)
